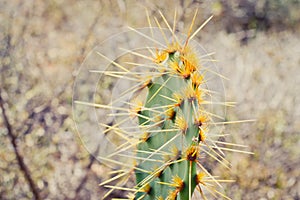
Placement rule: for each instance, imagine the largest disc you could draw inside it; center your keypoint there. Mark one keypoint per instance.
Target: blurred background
(43, 43)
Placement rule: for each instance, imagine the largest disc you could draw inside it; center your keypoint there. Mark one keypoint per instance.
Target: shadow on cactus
(159, 102)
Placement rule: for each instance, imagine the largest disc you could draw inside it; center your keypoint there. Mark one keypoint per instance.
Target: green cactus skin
(163, 137)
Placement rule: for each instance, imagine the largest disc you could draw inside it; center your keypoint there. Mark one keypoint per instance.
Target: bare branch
(23, 166)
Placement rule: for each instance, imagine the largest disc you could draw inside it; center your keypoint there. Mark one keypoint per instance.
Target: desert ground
(256, 45)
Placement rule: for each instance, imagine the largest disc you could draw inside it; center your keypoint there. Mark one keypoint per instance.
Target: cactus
(173, 123)
(176, 128)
